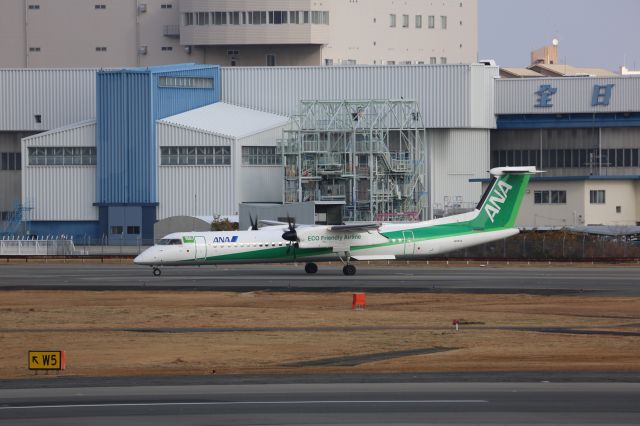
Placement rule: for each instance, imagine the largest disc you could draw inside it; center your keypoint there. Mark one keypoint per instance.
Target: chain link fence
(554, 245)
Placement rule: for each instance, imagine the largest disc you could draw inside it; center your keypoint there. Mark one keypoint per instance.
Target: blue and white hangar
(108, 153)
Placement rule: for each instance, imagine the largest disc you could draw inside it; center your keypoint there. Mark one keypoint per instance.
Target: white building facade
(76, 33)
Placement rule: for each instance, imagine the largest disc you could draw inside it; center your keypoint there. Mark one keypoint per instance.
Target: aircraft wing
(354, 228)
(272, 223)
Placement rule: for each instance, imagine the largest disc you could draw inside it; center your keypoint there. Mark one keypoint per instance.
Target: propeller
(292, 236)
(254, 225)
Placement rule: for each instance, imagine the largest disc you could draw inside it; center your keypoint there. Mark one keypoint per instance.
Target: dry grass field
(119, 333)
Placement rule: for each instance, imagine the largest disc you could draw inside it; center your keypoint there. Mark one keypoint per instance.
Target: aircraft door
(201, 248)
(409, 243)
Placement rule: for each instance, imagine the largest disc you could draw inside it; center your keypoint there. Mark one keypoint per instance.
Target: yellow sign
(46, 360)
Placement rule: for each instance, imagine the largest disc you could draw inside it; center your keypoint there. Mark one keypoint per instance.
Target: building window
(234, 18)
(101, 49)
(597, 196)
(167, 48)
(433, 60)
(34, 7)
(4, 216)
(278, 17)
(117, 230)
(260, 156)
(431, 21)
(195, 156)
(271, 60)
(443, 22)
(405, 21)
(392, 20)
(418, 21)
(100, 6)
(11, 161)
(294, 17)
(443, 60)
(63, 156)
(550, 197)
(219, 18)
(133, 230)
(328, 62)
(34, 49)
(202, 18)
(186, 82)
(618, 209)
(166, 6)
(188, 19)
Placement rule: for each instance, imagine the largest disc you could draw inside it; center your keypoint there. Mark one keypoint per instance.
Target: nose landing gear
(156, 271)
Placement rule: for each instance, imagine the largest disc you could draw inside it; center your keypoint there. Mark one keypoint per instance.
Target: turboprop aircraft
(492, 219)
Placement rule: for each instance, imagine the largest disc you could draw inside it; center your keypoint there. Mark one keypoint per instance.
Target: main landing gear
(311, 268)
(349, 269)
(156, 272)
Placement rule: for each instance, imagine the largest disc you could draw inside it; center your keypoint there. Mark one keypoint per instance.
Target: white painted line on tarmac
(229, 403)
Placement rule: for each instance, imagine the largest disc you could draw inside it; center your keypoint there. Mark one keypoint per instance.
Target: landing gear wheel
(311, 268)
(157, 272)
(349, 270)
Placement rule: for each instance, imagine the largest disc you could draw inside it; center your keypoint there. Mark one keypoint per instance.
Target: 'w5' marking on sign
(496, 199)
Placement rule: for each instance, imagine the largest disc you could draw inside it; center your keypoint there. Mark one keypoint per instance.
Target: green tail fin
(501, 201)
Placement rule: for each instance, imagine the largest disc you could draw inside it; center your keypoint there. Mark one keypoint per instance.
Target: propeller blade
(254, 225)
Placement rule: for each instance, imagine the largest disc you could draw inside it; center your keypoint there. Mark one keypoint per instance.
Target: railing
(31, 247)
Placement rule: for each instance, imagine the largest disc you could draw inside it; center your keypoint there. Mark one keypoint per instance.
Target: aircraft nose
(143, 258)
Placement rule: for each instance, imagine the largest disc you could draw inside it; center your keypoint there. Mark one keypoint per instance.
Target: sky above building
(592, 33)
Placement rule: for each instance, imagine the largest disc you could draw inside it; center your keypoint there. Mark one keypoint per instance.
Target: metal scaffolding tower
(368, 154)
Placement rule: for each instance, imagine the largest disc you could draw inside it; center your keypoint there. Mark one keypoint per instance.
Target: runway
(551, 280)
(327, 403)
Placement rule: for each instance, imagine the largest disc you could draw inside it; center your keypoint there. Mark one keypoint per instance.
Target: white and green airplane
(493, 219)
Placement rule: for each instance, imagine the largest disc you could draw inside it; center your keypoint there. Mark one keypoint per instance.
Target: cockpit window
(169, 242)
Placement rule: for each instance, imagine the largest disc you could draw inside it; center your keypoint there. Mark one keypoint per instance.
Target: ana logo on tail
(496, 199)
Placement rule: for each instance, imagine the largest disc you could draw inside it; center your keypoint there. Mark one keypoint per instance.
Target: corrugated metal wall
(124, 138)
(129, 102)
(65, 193)
(213, 190)
(457, 156)
(260, 183)
(482, 96)
(194, 190)
(574, 95)
(444, 92)
(60, 96)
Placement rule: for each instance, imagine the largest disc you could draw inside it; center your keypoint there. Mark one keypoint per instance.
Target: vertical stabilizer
(501, 202)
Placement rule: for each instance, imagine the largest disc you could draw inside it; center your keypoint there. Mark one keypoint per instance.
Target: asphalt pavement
(600, 280)
(328, 403)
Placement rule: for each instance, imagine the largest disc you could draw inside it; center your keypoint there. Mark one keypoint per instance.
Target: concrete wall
(617, 193)
(67, 32)
(571, 213)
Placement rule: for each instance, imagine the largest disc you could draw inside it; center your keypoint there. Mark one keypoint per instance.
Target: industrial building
(117, 150)
(77, 33)
(585, 133)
